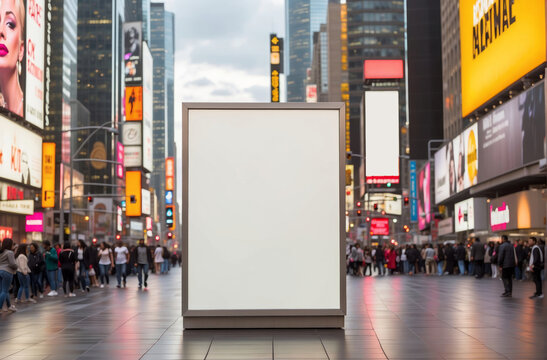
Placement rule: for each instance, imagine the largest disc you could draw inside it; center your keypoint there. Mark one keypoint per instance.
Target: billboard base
(262, 322)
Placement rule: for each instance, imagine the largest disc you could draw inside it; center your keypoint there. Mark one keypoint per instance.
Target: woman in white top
(23, 273)
(158, 258)
(105, 262)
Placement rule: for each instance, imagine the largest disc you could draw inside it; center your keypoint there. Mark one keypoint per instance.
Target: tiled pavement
(392, 317)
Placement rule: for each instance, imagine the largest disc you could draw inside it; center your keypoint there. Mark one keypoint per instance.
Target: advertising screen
(132, 32)
(133, 156)
(147, 110)
(521, 210)
(379, 226)
(133, 193)
(465, 215)
(20, 154)
(120, 160)
(6, 232)
(48, 175)
(145, 199)
(132, 133)
(424, 197)
(311, 93)
(133, 103)
(382, 137)
(169, 173)
(34, 222)
(413, 193)
(501, 41)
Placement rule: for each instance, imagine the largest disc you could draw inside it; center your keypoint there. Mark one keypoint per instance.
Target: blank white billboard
(382, 137)
(264, 196)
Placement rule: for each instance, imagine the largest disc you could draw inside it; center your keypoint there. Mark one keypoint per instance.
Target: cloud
(200, 82)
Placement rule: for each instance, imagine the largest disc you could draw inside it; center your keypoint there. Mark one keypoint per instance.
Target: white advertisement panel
(218, 142)
(382, 137)
(145, 202)
(132, 133)
(147, 109)
(20, 154)
(34, 61)
(133, 156)
(464, 213)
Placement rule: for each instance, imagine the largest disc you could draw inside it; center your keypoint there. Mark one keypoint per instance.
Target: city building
(139, 10)
(302, 19)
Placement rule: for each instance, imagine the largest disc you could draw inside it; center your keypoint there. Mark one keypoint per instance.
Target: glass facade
(139, 10)
(302, 19)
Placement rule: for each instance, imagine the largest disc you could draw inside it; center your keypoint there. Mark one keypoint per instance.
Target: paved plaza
(397, 317)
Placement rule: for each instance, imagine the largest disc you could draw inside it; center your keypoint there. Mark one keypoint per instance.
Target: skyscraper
(100, 82)
(162, 48)
(139, 10)
(302, 19)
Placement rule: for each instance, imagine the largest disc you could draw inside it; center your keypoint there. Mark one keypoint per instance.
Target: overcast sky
(222, 52)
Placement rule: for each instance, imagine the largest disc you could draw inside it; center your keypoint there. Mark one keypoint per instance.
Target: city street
(397, 317)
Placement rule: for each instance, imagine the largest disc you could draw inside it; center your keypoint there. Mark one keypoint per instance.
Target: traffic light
(358, 212)
(123, 205)
(375, 207)
(157, 238)
(358, 204)
(133, 199)
(388, 185)
(406, 228)
(90, 199)
(118, 236)
(169, 235)
(169, 216)
(348, 155)
(406, 200)
(94, 241)
(367, 219)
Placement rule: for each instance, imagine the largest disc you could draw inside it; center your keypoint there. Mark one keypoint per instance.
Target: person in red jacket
(391, 259)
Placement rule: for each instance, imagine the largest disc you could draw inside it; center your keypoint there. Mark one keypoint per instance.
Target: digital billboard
(147, 110)
(133, 103)
(379, 226)
(276, 66)
(20, 154)
(48, 175)
(133, 156)
(145, 200)
(132, 54)
(120, 159)
(413, 192)
(465, 215)
(382, 137)
(6, 232)
(22, 53)
(424, 196)
(521, 210)
(133, 194)
(169, 173)
(34, 222)
(132, 133)
(311, 93)
(501, 41)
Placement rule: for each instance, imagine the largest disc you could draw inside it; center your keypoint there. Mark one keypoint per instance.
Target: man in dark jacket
(449, 253)
(477, 256)
(379, 259)
(143, 260)
(412, 256)
(536, 265)
(507, 262)
(521, 256)
(460, 258)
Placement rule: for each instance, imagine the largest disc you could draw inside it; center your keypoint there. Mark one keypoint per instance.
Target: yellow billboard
(133, 103)
(501, 41)
(48, 175)
(133, 193)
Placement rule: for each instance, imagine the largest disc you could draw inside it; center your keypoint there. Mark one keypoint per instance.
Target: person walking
(23, 274)
(37, 265)
(165, 264)
(379, 260)
(368, 262)
(440, 257)
(122, 258)
(8, 267)
(536, 265)
(106, 263)
(412, 256)
(158, 259)
(143, 260)
(391, 259)
(521, 256)
(51, 260)
(67, 259)
(487, 261)
(507, 260)
(84, 265)
(404, 259)
(477, 256)
(430, 260)
(450, 255)
(460, 258)
(494, 260)
(359, 260)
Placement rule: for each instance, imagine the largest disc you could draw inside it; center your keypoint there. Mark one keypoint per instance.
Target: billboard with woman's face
(424, 197)
(22, 54)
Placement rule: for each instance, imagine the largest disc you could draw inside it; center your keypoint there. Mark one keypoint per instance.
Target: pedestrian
(379, 260)
(67, 259)
(477, 256)
(404, 259)
(8, 267)
(460, 258)
(122, 258)
(412, 255)
(143, 260)
(440, 258)
(521, 256)
(84, 265)
(430, 260)
(59, 248)
(507, 260)
(391, 259)
(106, 263)
(368, 262)
(450, 256)
(536, 265)
(94, 265)
(174, 259)
(487, 261)
(52, 266)
(37, 265)
(23, 274)
(359, 260)
(158, 258)
(165, 264)
(494, 260)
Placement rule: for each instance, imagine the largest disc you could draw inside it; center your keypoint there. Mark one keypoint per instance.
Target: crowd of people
(28, 272)
(524, 259)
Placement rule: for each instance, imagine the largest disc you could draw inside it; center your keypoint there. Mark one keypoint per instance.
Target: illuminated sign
(465, 215)
(170, 216)
(276, 66)
(148, 223)
(48, 175)
(344, 84)
(169, 173)
(119, 219)
(23, 207)
(147, 110)
(34, 222)
(132, 156)
(169, 197)
(499, 217)
(133, 193)
(311, 93)
(132, 133)
(413, 193)
(120, 157)
(6, 232)
(501, 41)
(133, 103)
(383, 69)
(379, 226)
(132, 51)
(145, 200)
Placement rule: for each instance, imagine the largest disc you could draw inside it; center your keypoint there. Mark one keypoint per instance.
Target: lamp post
(72, 159)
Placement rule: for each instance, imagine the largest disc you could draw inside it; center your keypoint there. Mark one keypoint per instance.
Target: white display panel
(263, 204)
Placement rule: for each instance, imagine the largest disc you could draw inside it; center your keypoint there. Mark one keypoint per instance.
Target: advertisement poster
(379, 226)
(413, 193)
(34, 61)
(147, 115)
(120, 156)
(133, 103)
(20, 154)
(34, 222)
(131, 133)
(522, 210)
(5, 232)
(48, 175)
(465, 215)
(132, 32)
(133, 156)
(145, 200)
(424, 197)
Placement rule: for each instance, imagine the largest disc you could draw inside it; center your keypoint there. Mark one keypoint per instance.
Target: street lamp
(72, 159)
